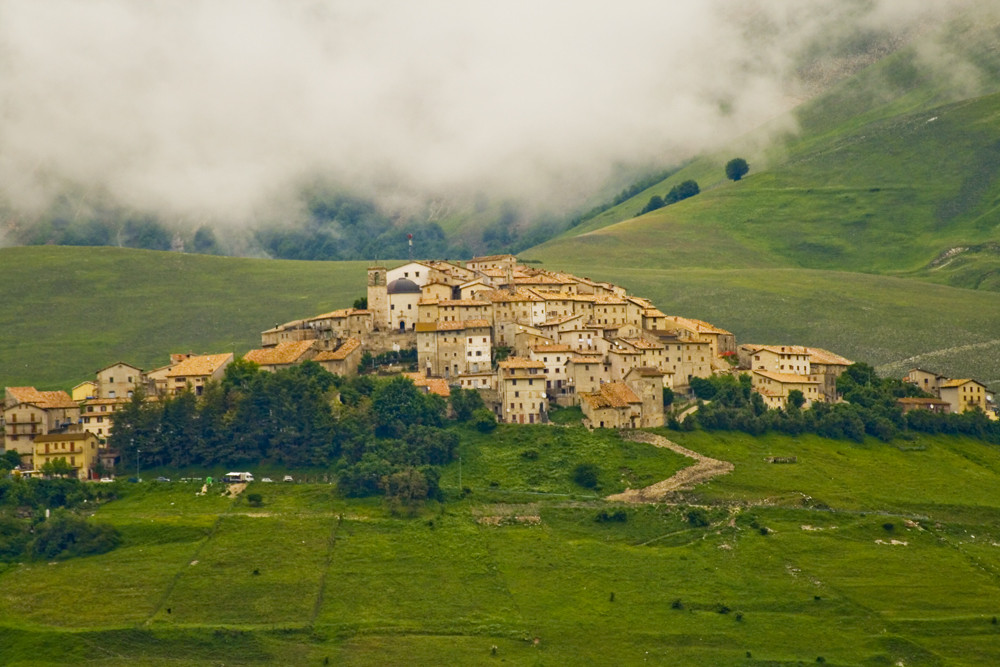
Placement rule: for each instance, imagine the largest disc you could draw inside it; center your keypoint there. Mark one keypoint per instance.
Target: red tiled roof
(348, 346)
(43, 399)
(204, 364)
(281, 354)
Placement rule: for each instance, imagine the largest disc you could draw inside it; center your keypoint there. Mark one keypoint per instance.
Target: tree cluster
(365, 429)
(870, 409)
(681, 191)
(25, 533)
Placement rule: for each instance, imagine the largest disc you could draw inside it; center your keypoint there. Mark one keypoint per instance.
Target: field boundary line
(331, 543)
(180, 570)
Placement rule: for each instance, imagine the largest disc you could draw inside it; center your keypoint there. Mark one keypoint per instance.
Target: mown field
(857, 554)
(71, 311)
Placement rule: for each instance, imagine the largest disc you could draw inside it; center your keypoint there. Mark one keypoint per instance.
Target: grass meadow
(857, 554)
(71, 311)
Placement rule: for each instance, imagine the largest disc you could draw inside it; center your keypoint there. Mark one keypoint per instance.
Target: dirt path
(705, 469)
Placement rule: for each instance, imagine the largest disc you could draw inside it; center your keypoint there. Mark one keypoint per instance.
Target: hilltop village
(525, 338)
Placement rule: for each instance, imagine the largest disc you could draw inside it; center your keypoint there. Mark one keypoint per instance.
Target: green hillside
(893, 171)
(889, 197)
(69, 311)
(856, 554)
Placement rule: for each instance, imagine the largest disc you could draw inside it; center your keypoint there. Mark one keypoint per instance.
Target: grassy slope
(888, 197)
(70, 311)
(344, 580)
(869, 185)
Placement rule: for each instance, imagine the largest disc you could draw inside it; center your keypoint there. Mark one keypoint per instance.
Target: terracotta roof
(818, 355)
(540, 280)
(437, 386)
(348, 346)
(42, 399)
(204, 364)
(500, 296)
(63, 437)
(779, 349)
(294, 324)
(959, 383)
(340, 314)
(491, 258)
(612, 395)
(105, 401)
(913, 400)
(697, 325)
(120, 363)
(464, 302)
(542, 349)
(787, 378)
(556, 321)
(581, 358)
(461, 325)
(521, 362)
(281, 354)
(649, 371)
(641, 344)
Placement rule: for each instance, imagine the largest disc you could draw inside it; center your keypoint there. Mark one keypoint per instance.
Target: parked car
(162, 479)
(287, 478)
(266, 479)
(106, 480)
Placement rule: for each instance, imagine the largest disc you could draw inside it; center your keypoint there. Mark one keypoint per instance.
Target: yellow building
(521, 383)
(80, 450)
(96, 414)
(775, 387)
(29, 413)
(84, 390)
(963, 395)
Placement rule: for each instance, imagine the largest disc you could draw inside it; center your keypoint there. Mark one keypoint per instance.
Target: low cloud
(218, 110)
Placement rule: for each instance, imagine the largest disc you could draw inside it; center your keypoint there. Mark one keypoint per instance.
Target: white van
(237, 477)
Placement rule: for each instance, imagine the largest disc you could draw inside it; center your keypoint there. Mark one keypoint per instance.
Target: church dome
(402, 286)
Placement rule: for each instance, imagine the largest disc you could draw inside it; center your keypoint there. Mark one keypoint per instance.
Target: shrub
(66, 536)
(620, 516)
(484, 420)
(737, 168)
(530, 454)
(586, 475)
(255, 499)
(697, 517)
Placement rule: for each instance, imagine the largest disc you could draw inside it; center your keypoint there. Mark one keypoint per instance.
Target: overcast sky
(216, 109)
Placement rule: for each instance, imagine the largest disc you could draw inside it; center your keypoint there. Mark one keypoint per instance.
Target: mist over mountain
(326, 129)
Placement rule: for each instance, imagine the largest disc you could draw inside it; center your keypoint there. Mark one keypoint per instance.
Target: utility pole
(459, 473)
(137, 452)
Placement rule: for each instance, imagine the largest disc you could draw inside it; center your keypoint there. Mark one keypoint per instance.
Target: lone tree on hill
(736, 169)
